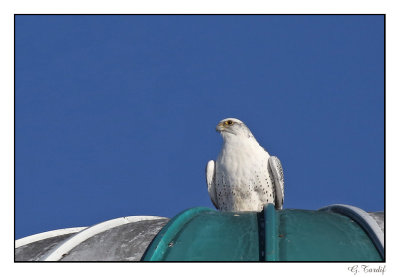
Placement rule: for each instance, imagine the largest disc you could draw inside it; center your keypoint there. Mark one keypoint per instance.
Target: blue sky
(115, 115)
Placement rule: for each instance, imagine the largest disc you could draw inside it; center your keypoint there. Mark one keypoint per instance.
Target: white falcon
(244, 177)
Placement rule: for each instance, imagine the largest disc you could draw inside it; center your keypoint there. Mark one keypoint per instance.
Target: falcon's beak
(220, 127)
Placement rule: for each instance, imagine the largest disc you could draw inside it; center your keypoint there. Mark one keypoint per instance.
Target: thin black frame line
(384, 144)
(183, 14)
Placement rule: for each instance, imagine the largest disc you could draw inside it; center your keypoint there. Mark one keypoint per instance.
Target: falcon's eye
(228, 122)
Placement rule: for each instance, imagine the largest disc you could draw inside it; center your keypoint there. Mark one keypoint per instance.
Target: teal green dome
(335, 233)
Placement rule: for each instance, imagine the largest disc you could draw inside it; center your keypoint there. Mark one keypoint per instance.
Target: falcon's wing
(210, 178)
(277, 175)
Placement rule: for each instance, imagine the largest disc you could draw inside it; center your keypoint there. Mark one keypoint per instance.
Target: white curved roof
(124, 238)
(46, 235)
(64, 248)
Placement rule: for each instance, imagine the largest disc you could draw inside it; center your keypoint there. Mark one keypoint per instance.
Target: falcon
(244, 177)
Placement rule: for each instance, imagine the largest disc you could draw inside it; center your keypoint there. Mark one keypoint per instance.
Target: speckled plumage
(244, 177)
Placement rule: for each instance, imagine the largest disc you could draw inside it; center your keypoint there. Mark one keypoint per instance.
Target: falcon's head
(233, 126)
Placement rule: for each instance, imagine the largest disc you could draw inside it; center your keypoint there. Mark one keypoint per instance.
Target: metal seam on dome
(160, 244)
(271, 238)
(261, 235)
(66, 246)
(360, 216)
